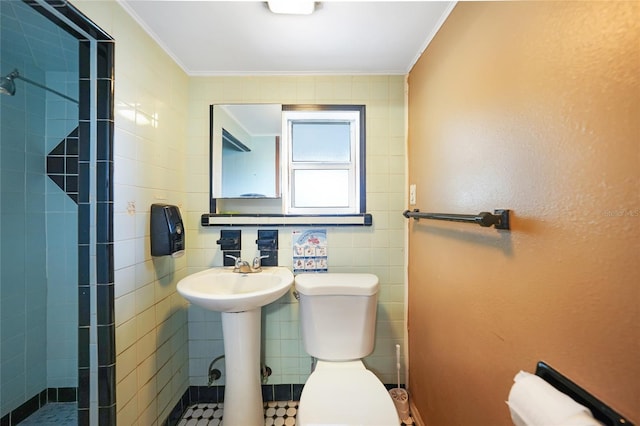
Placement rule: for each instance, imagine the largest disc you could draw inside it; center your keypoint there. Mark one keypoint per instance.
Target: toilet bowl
(337, 317)
(345, 393)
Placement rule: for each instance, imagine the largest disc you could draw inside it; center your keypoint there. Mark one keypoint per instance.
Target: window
(323, 155)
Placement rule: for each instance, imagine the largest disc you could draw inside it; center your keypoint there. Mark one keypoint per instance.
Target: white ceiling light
(292, 7)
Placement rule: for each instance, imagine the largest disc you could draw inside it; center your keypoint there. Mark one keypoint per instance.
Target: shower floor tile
(54, 413)
(276, 413)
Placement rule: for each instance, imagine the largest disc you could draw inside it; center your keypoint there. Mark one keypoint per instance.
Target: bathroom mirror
(245, 148)
(260, 175)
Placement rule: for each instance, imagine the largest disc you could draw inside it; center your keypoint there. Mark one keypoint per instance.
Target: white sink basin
(221, 289)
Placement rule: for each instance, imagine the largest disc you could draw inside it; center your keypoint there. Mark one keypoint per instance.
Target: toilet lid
(345, 397)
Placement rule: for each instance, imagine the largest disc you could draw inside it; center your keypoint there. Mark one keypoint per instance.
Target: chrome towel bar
(499, 219)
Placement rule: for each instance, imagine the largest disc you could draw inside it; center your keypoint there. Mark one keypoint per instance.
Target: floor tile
(276, 413)
(54, 414)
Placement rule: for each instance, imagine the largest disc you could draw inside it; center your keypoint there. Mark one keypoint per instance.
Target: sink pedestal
(239, 298)
(243, 390)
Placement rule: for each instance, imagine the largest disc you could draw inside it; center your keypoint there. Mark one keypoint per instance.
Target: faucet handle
(237, 259)
(256, 261)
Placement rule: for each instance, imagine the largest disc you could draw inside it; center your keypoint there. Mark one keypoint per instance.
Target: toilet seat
(345, 394)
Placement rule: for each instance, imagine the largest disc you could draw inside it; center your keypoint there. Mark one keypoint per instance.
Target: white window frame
(354, 166)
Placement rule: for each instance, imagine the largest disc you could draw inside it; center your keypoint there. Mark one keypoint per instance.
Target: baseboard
(415, 414)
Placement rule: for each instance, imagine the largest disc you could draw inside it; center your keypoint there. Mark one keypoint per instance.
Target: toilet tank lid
(336, 284)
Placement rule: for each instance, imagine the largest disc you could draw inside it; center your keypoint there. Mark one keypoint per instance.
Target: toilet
(338, 318)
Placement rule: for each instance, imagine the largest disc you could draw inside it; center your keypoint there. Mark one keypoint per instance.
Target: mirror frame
(252, 219)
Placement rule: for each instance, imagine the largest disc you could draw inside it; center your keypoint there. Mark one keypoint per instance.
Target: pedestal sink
(240, 298)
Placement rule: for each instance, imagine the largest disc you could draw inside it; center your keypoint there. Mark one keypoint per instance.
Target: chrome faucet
(243, 267)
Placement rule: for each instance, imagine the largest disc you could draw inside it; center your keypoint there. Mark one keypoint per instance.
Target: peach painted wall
(534, 107)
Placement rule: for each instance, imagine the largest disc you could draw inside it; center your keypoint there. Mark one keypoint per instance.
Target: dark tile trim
(106, 386)
(179, 409)
(63, 165)
(105, 53)
(107, 415)
(84, 359)
(84, 377)
(84, 417)
(62, 394)
(25, 410)
(104, 140)
(277, 220)
(106, 356)
(104, 233)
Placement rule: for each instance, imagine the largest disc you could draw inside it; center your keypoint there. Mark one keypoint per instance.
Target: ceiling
(208, 38)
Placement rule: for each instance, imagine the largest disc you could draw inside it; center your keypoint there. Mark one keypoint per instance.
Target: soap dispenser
(167, 231)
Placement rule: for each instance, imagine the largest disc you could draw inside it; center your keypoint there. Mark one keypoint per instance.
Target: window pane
(321, 141)
(321, 188)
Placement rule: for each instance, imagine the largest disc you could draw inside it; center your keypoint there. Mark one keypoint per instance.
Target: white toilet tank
(338, 314)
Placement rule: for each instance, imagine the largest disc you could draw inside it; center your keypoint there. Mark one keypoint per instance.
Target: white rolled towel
(534, 402)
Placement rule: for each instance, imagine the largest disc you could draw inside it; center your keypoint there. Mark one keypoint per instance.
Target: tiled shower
(55, 166)
(38, 252)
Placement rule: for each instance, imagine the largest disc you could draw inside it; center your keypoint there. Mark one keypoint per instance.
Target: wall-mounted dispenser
(167, 231)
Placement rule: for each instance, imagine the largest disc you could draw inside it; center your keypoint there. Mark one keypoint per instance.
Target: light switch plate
(412, 194)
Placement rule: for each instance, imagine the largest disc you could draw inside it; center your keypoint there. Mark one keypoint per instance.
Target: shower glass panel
(38, 212)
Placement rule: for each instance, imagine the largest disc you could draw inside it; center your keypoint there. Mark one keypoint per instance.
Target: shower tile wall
(25, 223)
(22, 221)
(62, 240)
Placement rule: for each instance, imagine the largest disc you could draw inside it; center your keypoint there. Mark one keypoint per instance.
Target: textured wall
(531, 106)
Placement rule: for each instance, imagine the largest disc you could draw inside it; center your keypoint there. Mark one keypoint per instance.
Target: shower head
(7, 86)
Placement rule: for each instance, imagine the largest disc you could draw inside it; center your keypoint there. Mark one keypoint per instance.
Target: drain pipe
(265, 372)
(213, 373)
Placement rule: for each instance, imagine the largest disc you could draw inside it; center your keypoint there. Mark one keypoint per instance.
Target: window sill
(210, 219)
